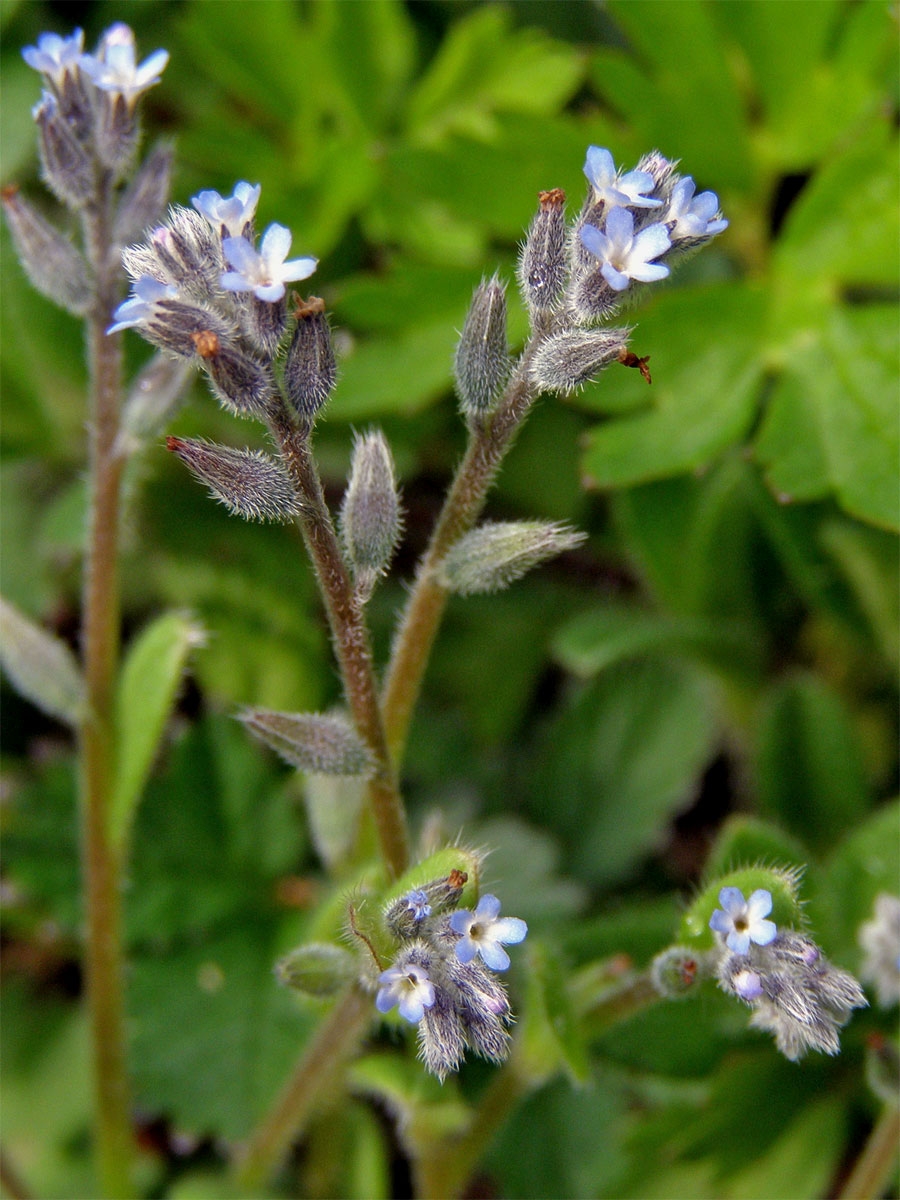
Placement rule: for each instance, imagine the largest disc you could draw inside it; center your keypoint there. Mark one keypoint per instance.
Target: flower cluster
(437, 981)
(794, 992)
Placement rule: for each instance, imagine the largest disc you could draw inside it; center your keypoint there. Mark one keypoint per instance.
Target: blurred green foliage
(726, 642)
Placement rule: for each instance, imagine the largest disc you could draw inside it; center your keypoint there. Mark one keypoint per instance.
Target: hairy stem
(334, 1042)
(100, 655)
(488, 443)
(874, 1167)
(351, 640)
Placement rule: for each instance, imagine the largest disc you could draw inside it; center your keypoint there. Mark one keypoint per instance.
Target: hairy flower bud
(565, 361)
(310, 369)
(543, 265)
(247, 482)
(370, 515)
(676, 972)
(155, 397)
(324, 743)
(482, 355)
(490, 557)
(145, 197)
(242, 383)
(318, 969)
(662, 171)
(265, 323)
(50, 260)
(116, 136)
(68, 169)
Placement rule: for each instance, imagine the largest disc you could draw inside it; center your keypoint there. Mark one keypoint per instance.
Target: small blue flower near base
(612, 188)
(742, 921)
(114, 67)
(482, 931)
(264, 272)
(146, 292)
(624, 256)
(691, 216)
(409, 988)
(418, 904)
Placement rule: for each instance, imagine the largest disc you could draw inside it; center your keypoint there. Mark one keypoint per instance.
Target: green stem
(874, 1167)
(100, 655)
(351, 640)
(333, 1043)
(10, 1180)
(488, 443)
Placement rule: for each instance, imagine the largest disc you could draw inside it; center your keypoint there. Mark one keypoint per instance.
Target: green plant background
(723, 649)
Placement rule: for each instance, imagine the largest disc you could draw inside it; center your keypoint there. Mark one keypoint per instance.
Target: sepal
(568, 360)
(490, 557)
(310, 369)
(326, 744)
(249, 483)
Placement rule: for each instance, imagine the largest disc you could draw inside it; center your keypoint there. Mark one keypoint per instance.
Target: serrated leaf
(148, 686)
(326, 744)
(40, 666)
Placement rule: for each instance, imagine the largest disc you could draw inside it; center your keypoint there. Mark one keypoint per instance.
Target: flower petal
(764, 932)
(594, 241)
(599, 167)
(275, 244)
(759, 905)
(648, 272)
(466, 950)
(652, 241)
(241, 255)
(614, 278)
(298, 268)
(494, 955)
(488, 907)
(509, 930)
(731, 899)
(619, 227)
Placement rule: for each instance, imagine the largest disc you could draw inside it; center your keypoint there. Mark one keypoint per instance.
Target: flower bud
(482, 356)
(155, 397)
(117, 132)
(326, 744)
(247, 482)
(68, 170)
(265, 324)
(565, 361)
(370, 515)
(145, 198)
(676, 972)
(242, 383)
(662, 170)
(310, 369)
(543, 265)
(490, 557)
(51, 262)
(319, 969)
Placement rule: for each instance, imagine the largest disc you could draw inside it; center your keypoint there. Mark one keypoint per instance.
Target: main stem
(488, 443)
(351, 640)
(100, 654)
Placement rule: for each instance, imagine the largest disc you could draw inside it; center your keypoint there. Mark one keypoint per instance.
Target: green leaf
(831, 423)
(550, 1039)
(706, 372)
(743, 841)
(40, 666)
(148, 685)
(810, 769)
(421, 358)
(782, 882)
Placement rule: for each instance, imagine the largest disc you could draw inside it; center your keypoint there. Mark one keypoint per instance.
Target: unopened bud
(565, 361)
(242, 383)
(404, 915)
(370, 515)
(145, 198)
(676, 972)
(664, 178)
(319, 969)
(310, 369)
(117, 133)
(543, 265)
(51, 262)
(247, 482)
(324, 743)
(490, 557)
(266, 323)
(482, 356)
(68, 170)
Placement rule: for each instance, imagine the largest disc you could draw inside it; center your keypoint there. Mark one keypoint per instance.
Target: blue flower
(409, 988)
(742, 920)
(141, 304)
(613, 188)
(693, 216)
(264, 272)
(482, 931)
(54, 56)
(418, 904)
(113, 68)
(234, 212)
(623, 256)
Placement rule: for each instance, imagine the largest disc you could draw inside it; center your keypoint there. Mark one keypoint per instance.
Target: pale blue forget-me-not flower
(612, 188)
(234, 212)
(742, 921)
(53, 55)
(482, 931)
(265, 271)
(693, 216)
(418, 904)
(139, 307)
(407, 987)
(624, 256)
(114, 68)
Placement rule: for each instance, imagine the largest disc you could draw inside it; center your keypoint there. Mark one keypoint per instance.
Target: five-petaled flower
(234, 212)
(482, 931)
(742, 921)
(264, 272)
(146, 293)
(54, 56)
(113, 68)
(409, 988)
(623, 256)
(693, 216)
(615, 189)
(418, 904)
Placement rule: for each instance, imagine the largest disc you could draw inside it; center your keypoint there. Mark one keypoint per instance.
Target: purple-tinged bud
(318, 969)
(482, 355)
(310, 369)
(566, 361)
(242, 383)
(370, 515)
(323, 743)
(67, 167)
(543, 265)
(493, 555)
(145, 198)
(52, 263)
(247, 482)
